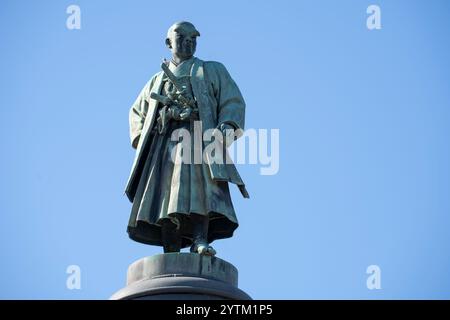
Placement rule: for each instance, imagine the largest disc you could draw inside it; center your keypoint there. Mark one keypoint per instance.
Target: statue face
(182, 41)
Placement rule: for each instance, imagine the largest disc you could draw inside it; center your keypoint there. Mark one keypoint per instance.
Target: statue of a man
(178, 204)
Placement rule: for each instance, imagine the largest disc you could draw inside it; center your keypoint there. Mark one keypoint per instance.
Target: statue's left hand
(227, 133)
(224, 127)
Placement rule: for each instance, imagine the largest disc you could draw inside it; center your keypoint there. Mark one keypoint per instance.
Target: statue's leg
(200, 235)
(171, 237)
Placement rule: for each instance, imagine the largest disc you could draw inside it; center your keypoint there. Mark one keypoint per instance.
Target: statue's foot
(203, 248)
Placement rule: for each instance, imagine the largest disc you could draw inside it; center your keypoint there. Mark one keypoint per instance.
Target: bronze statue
(178, 204)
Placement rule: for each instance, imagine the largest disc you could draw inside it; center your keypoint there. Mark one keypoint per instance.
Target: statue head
(182, 40)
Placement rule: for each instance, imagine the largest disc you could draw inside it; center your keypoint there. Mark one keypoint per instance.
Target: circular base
(184, 276)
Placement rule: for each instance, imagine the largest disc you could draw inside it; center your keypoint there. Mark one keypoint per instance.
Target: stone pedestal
(184, 276)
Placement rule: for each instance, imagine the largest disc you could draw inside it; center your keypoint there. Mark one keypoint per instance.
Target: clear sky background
(364, 120)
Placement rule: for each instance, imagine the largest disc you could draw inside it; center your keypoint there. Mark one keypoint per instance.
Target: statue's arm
(137, 113)
(230, 102)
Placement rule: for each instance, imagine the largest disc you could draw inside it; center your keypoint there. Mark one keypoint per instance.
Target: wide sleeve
(138, 112)
(230, 102)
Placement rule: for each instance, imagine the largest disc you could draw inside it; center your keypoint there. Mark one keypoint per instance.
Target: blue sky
(363, 116)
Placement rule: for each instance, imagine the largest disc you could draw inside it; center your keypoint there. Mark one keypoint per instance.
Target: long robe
(161, 189)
